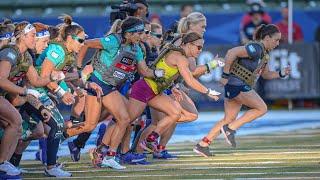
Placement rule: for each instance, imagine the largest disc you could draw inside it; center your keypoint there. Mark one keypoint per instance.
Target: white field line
(276, 178)
(179, 164)
(286, 147)
(236, 158)
(191, 174)
(262, 151)
(91, 169)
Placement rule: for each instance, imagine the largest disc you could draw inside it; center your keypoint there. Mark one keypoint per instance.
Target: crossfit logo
(281, 58)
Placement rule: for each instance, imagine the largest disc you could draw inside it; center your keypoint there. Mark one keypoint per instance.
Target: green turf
(293, 155)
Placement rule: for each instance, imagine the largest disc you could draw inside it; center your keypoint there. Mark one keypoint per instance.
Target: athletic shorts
(232, 91)
(141, 91)
(106, 88)
(167, 91)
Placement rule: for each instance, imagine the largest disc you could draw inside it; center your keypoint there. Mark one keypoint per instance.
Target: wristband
(208, 68)
(281, 76)
(59, 92)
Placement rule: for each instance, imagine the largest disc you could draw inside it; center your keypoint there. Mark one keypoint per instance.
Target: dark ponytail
(265, 30)
(69, 28)
(190, 37)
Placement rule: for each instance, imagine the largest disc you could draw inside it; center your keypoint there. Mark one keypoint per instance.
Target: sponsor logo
(11, 55)
(119, 75)
(126, 61)
(251, 48)
(54, 55)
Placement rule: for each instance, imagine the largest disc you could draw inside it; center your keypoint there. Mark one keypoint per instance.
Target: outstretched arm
(92, 43)
(267, 74)
(184, 71)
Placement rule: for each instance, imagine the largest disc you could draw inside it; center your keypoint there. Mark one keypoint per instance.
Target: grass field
(294, 155)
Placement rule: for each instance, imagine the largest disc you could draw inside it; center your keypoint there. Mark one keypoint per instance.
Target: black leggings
(52, 140)
(81, 140)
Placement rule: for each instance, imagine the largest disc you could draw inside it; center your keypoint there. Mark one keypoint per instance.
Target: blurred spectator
(185, 10)
(155, 18)
(142, 11)
(283, 27)
(247, 29)
(247, 17)
(249, 2)
(317, 34)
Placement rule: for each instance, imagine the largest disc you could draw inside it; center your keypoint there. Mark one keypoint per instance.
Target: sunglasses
(198, 46)
(146, 31)
(81, 41)
(156, 35)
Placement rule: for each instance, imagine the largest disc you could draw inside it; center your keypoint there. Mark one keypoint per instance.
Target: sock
(152, 137)
(111, 153)
(161, 148)
(206, 140)
(15, 159)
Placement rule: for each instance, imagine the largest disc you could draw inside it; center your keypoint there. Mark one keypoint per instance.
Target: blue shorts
(167, 92)
(232, 91)
(124, 89)
(106, 88)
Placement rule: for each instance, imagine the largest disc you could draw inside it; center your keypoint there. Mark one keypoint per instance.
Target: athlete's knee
(175, 114)
(16, 124)
(123, 120)
(193, 116)
(263, 108)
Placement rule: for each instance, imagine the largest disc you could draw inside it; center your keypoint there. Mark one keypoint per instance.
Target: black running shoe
(203, 151)
(229, 135)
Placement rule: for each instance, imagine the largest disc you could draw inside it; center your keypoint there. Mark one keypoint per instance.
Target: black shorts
(106, 89)
(232, 91)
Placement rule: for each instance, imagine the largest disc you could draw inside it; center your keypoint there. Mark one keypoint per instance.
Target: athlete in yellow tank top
(169, 73)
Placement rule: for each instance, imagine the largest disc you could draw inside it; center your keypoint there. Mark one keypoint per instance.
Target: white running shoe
(9, 169)
(112, 163)
(57, 172)
(22, 170)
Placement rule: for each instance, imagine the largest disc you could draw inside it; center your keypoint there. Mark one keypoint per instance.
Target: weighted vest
(123, 67)
(69, 59)
(18, 71)
(250, 77)
(163, 83)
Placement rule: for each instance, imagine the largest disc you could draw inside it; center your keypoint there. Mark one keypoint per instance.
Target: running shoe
(164, 155)
(143, 162)
(203, 151)
(9, 169)
(111, 163)
(22, 170)
(57, 171)
(131, 158)
(96, 158)
(229, 135)
(74, 151)
(5, 176)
